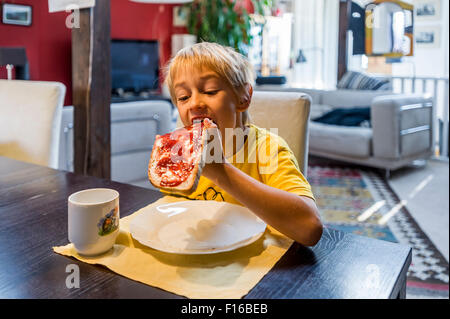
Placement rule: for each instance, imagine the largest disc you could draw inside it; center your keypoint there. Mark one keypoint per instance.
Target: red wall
(48, 41)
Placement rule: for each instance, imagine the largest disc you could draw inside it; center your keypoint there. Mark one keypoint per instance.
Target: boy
(208, 80)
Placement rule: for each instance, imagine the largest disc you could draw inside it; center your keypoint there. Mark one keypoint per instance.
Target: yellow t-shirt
(267, 158)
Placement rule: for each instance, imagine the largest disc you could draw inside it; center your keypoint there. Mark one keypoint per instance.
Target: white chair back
(30, 120)
(289, 113)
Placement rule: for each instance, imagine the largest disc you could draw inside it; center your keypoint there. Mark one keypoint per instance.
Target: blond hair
(230, 65)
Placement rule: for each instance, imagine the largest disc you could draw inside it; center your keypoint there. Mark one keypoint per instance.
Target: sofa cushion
(350, 98)
(342, 140)
(317, 110)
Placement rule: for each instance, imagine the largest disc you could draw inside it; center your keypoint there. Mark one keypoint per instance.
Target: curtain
(316, 27)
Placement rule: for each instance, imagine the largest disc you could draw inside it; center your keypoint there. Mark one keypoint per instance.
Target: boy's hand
(214, 151)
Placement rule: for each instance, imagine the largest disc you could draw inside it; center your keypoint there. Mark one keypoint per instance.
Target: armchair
(401, 128)
(133, 129)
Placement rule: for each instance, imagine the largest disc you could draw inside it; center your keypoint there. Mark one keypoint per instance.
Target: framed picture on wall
(427, 9)
(16, 14)
(180, 16)
(428, 37)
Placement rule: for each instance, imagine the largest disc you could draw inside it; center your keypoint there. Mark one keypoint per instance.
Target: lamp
(301, 57)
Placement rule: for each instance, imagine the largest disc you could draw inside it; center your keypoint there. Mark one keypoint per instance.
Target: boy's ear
(245, 98)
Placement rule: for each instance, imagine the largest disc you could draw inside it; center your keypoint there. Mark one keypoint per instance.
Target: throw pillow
(359, 81)
(358, 116)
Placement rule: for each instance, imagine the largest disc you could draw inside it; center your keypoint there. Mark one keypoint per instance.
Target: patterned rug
(359, 201)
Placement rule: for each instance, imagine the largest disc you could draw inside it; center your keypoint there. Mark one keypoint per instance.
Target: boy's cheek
(183, 117)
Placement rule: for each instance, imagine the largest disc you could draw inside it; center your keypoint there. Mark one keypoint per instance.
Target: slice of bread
(168, 151)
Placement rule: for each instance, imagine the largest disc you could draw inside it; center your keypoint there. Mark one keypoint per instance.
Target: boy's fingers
(212, 133)
(214, 146)
(209, 124)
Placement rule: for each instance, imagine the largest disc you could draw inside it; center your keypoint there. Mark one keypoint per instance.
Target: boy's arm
(295, 216)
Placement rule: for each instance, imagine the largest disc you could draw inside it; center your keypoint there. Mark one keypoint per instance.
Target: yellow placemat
(222, 275)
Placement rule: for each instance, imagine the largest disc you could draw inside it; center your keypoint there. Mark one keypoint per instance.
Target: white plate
(196, 227)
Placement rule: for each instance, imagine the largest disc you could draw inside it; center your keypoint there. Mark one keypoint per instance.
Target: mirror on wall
(389, 28)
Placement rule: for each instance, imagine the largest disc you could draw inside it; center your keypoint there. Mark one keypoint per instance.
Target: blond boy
(208, 80)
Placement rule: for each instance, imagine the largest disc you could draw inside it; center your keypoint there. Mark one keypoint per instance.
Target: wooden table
(33, 219)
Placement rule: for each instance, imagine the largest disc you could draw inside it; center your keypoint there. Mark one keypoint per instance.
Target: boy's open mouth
(201, 119)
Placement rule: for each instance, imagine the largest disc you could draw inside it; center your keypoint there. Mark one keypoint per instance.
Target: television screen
(134, 65)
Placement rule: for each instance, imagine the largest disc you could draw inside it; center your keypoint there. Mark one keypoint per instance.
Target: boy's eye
(182, 98)
(211, 92)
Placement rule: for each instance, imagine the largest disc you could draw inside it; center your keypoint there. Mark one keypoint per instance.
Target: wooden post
(92, 91)
(345, 11)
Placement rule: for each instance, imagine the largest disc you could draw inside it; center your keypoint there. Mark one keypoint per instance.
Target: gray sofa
(134, 126)
(401, 127)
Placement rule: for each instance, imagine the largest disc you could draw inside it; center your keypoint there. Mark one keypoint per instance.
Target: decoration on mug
(109, 223)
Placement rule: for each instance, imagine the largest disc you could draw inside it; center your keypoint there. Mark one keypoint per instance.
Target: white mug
(93, 216)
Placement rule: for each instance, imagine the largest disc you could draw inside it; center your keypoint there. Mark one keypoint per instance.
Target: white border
(437, 7)
(435, 29)
(8, 7)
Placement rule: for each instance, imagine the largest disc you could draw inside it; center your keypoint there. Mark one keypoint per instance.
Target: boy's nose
(197, 102)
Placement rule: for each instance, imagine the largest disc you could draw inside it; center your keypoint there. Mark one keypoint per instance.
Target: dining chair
(288, 112)
(30, 120)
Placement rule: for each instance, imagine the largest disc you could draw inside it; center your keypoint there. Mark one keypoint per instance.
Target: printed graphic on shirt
(211, 194)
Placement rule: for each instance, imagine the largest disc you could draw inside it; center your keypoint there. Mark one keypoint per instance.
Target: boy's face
(202, 93)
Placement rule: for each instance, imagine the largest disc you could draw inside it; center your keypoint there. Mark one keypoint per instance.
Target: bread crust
(190, 184)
